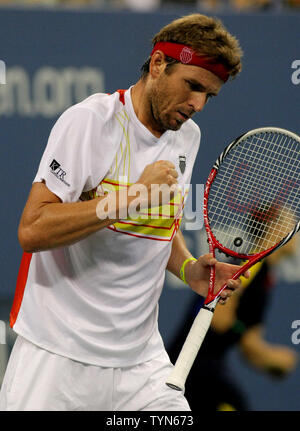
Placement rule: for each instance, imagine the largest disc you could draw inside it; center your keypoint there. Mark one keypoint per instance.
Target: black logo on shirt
(182, 163)
(54, 165)
(58, 171)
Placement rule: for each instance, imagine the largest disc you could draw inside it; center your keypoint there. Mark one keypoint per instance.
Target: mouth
(183, 116)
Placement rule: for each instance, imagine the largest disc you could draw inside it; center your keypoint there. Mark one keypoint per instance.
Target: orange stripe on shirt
(20, 287)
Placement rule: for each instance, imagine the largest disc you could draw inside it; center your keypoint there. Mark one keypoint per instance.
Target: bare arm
(179, 254)
(274, 359)
(47, 223)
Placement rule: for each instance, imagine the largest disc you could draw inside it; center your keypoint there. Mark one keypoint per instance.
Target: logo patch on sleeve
(56, 170)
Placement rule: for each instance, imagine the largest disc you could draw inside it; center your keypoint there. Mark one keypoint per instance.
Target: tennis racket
(251, 208)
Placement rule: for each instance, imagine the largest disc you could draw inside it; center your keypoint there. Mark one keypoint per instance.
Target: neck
(142, 107)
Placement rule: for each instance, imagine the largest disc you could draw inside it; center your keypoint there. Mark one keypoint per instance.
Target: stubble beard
(161, 124)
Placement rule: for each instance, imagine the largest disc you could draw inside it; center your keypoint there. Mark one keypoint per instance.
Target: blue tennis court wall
(55, 58)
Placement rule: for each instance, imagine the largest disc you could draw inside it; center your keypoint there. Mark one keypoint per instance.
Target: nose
(197, 100)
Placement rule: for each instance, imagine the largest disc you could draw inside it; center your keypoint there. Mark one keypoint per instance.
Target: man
(85, 307)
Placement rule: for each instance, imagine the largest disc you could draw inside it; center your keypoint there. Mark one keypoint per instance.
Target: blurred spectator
(216, 5)
(292, 3)
(240, 5)
(75, 2)
(50, 2)
(180, 2)
(151, 5)
(210, 5)
(237, 5)
(142, 5)
(29, 2)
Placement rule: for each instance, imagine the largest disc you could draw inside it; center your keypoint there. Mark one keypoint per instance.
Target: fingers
(172, 176)
(171, 173)
(165, 163)
(246, 274)
(224, 276)
(208, 260)
(232, 285)
(168, 165)
(161, 172)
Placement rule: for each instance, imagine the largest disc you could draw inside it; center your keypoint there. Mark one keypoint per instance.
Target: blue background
(115, 45)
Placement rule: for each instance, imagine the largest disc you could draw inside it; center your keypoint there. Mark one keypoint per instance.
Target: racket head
(251, 197)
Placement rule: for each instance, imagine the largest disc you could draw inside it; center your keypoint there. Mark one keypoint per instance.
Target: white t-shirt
(96, 301)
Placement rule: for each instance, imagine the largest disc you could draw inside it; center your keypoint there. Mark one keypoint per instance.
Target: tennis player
(86, 302)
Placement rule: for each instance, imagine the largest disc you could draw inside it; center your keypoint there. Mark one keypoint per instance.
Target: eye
(193, 86)
(196, 86)
(209, 96)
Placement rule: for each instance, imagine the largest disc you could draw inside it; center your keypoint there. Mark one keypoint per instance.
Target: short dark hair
(206, 36)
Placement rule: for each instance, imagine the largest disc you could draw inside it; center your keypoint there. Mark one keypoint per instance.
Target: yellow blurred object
(225, 407)
(253, 271)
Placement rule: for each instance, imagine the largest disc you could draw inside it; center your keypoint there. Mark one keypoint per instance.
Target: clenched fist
(158, 182)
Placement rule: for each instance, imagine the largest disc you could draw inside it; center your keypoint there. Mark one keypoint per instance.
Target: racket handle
(190, 350)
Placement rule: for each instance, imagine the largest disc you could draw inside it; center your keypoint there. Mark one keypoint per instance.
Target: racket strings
(254, 201)
(267, 189)
(258, 173)
(269, 165)
(262, 178)
(264, 220)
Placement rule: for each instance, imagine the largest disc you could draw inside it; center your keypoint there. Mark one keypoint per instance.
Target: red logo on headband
(186, 55)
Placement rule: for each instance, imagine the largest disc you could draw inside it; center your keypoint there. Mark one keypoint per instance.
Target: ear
(157, 64)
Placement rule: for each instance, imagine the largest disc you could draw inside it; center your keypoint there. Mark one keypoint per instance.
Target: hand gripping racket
(251, 208)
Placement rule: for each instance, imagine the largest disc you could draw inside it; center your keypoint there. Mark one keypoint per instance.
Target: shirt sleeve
(74, 147)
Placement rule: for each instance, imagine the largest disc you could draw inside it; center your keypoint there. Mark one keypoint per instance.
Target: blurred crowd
(151, 5)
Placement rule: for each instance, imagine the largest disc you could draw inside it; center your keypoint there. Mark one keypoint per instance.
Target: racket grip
(190, 350)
